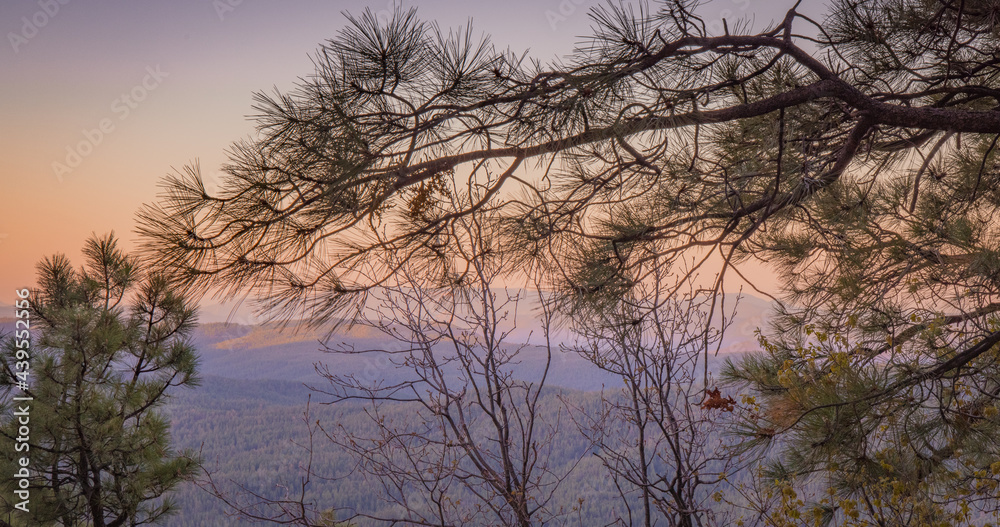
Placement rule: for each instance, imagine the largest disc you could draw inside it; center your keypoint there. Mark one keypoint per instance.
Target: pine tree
(108, 344)
(856, 155)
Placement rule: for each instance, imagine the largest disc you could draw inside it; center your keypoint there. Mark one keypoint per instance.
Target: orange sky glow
(102, 99)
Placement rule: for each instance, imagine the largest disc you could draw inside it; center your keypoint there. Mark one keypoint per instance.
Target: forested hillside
(247, 420)
(251, 433)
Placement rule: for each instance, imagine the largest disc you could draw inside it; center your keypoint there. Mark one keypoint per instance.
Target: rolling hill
(246, 418)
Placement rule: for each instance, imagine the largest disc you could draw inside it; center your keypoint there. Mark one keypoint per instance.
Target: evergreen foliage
(856, 155)
(108, 342)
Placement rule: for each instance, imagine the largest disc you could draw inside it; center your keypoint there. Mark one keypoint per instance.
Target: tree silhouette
(475, 444)
(660, 435)
(461, 437)
(856, 155)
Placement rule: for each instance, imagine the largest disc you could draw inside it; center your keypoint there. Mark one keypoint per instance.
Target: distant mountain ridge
(290, 352)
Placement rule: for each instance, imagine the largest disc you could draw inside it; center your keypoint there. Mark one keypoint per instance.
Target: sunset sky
(102, 99)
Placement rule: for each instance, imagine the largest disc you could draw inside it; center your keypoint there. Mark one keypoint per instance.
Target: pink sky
(137, 89)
